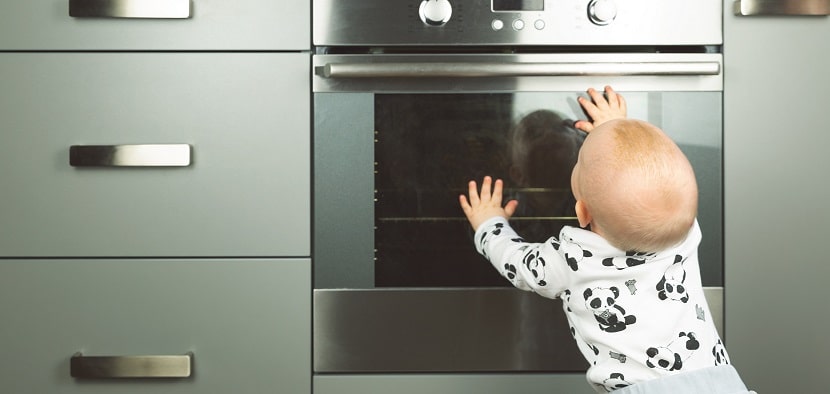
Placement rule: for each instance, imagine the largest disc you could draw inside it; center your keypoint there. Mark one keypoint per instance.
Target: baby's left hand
(482, 207)
(601, 108)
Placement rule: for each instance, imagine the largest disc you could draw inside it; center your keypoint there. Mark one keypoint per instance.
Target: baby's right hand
(603, 108)
(481, 207)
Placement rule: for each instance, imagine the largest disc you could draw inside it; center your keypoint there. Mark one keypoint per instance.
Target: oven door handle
(496, 69)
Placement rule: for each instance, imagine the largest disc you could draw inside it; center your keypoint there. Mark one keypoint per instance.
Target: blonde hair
(639, 187)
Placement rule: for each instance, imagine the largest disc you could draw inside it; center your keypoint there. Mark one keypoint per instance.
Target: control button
(602, 12)
(435, 12)
(518, 24)
(497, 24)
(539, 24)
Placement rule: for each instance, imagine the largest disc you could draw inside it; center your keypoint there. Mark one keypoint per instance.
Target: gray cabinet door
(244, 115)
(246, 322)
(124, 25)
(776, 194)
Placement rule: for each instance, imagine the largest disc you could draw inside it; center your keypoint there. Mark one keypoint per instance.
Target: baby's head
(634, 186)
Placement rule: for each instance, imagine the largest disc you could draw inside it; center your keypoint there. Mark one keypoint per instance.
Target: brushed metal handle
(472, 70)
(141, 155)
(162, 9)
(781, 7)
(114, 367)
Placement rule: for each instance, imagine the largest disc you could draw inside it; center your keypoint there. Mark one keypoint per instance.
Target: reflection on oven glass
(428, 147)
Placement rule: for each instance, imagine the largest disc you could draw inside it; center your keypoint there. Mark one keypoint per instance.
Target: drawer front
(155, 25)
(245, 117)
(246, 323)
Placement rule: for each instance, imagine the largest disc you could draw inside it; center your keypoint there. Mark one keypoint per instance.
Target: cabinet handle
(144, 155)
(110, 367)
(781, 7)
(162, 9)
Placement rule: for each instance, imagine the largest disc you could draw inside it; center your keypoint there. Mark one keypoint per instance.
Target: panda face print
(671, 286)
(671, 357)
(615, 381)
(601, 299)
(566, 300)
(663, 358)
(509, 271)
(535, 263)
(603, 303)
(719, 352)
(573, 252)
(631, 259)
(485, 236)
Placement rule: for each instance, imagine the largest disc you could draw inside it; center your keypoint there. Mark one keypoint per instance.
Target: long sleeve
(535, 267)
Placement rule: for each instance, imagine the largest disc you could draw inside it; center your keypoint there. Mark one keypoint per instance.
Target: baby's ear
(582, 214)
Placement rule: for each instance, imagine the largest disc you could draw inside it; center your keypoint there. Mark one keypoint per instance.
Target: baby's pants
(723, 379)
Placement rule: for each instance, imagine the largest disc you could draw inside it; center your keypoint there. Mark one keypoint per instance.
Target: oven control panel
(438, 12)
(517, 22)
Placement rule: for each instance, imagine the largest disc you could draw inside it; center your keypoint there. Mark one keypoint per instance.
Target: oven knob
(602, 12)
(435, 12)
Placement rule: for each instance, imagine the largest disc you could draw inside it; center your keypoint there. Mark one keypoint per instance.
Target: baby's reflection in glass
(543, 149)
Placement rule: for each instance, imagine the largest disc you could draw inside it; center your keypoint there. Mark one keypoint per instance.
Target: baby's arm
(527, 266)
(601, 108)
(480, 208)
(536, 267)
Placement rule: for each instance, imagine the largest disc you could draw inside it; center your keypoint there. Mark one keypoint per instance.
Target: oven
(412, 99)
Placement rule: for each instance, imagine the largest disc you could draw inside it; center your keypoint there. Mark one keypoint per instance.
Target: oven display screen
(518, 5)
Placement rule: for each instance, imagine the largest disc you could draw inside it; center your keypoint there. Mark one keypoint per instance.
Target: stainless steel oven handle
(494, 70)
(111, 367)
(161, 9)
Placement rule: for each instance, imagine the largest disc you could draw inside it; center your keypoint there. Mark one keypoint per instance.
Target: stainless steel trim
(162, 9)
(517, 72)
(782, 7)
(141, 155)
(474, 22)
(473, 70)
(448, 330)
(110, 367)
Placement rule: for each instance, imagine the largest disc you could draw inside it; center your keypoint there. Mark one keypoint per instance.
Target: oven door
(398, 284)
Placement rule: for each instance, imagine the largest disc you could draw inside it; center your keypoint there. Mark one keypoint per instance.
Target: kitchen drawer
(212, 25)
(246, 117)
(246, 323)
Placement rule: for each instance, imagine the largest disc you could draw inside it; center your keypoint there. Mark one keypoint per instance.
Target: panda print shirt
(634, 316)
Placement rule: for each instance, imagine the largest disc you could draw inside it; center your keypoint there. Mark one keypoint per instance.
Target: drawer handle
(143, 155)
(111, 367)
(161, 9)
(781, 7)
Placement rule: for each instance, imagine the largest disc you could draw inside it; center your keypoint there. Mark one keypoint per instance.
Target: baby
(628, 278)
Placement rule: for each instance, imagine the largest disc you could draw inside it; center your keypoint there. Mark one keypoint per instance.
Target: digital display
(518, 5)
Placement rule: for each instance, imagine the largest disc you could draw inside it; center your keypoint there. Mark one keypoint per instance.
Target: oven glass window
(429, 146)
(389, 169)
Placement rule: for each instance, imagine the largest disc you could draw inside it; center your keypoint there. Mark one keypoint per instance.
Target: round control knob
(435, 12)
(602, 12)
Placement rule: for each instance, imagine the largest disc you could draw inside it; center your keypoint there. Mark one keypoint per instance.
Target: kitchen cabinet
(776, 194)
(212, 25)
(244, 115)
(206, 255)
(244, 320)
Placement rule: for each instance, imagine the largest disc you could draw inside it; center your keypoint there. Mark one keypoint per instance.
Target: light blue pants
(723, 379)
